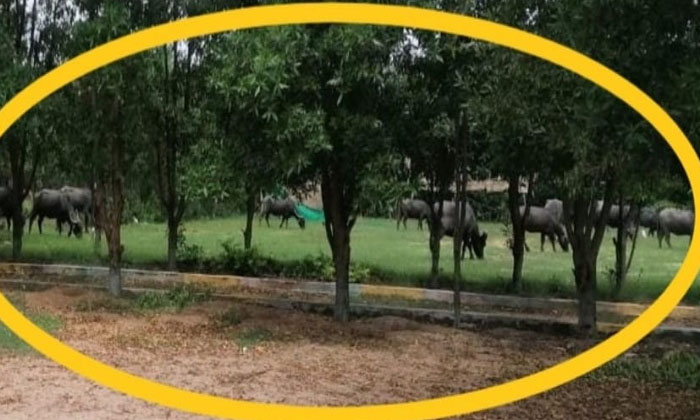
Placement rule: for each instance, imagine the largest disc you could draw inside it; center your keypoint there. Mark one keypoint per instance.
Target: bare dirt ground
(284, 356)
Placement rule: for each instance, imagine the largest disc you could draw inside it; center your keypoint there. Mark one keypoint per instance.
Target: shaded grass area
(390, 257)
(679, 368)
(10, 342)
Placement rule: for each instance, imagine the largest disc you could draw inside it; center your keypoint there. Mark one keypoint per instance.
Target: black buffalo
(413, 209)
(540, 220)
(676, 221)
(555, 207)
(649, 219)
(54, 204)
(81, 200)
(7, 205)
(283, 208)
(472, 239)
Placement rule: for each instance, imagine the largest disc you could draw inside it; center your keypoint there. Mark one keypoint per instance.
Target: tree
(113, 96)
(642, 42)
(268, 132)
(34, 46)
(345, 74)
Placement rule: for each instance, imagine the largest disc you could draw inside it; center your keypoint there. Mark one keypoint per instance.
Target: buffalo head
(479, 243)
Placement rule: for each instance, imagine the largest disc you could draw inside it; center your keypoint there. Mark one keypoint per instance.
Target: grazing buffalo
(540, 220)
(555, 207)
(649, 219)
(81, 200)
(413, 209)
(283, 208)
(54, 204)
(614, 218)
(7, 207)
(676, 221)
(472, 239)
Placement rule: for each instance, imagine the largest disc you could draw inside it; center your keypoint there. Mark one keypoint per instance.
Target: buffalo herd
(65, 205)
(548, 222)
(68, 204)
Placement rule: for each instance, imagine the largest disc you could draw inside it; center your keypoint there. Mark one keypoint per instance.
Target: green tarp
(310, 214)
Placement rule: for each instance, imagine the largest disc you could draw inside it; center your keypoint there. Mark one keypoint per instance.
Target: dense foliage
(366, 115)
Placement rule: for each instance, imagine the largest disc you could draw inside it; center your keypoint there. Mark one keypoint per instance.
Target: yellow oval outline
(359, 13)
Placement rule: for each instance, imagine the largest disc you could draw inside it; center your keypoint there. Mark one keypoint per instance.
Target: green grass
(10, 342)
(679, 368)
(395, 257)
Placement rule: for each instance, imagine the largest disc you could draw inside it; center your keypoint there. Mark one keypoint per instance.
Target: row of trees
(345, 107)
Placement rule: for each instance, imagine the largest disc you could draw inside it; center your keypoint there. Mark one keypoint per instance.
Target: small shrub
(319, 267)
(178, 297)
(245, 262)
(359, 273)
(188, 255)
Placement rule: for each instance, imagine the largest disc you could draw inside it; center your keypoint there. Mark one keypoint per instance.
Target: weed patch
(251, 337)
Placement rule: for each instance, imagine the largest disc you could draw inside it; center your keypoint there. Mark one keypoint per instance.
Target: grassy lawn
(395, 257)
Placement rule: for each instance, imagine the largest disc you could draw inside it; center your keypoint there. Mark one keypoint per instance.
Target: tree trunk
(115, 261)
(435, 261)
(97, 244)
(17, 232)
(338, 225)
(434, 244)
(518, 249)
(518, 223)
(457, 240)
(586, 287)
(637, 216)
(173, 227)
(341, 263)
(17, 153)
(110, 199)
(620, 242)
(586, 236)
(250, 215)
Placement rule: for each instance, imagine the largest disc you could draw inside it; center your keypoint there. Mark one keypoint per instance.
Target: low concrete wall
(286, 288)
(317, 297)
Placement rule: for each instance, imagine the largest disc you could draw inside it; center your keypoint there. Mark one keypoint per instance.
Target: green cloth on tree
(309, 213)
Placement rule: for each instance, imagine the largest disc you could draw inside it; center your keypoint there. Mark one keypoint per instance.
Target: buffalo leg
(542, 240)
(668, 239)
(551, 239)
(39, 222)
(32, 216)
(267, 219)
